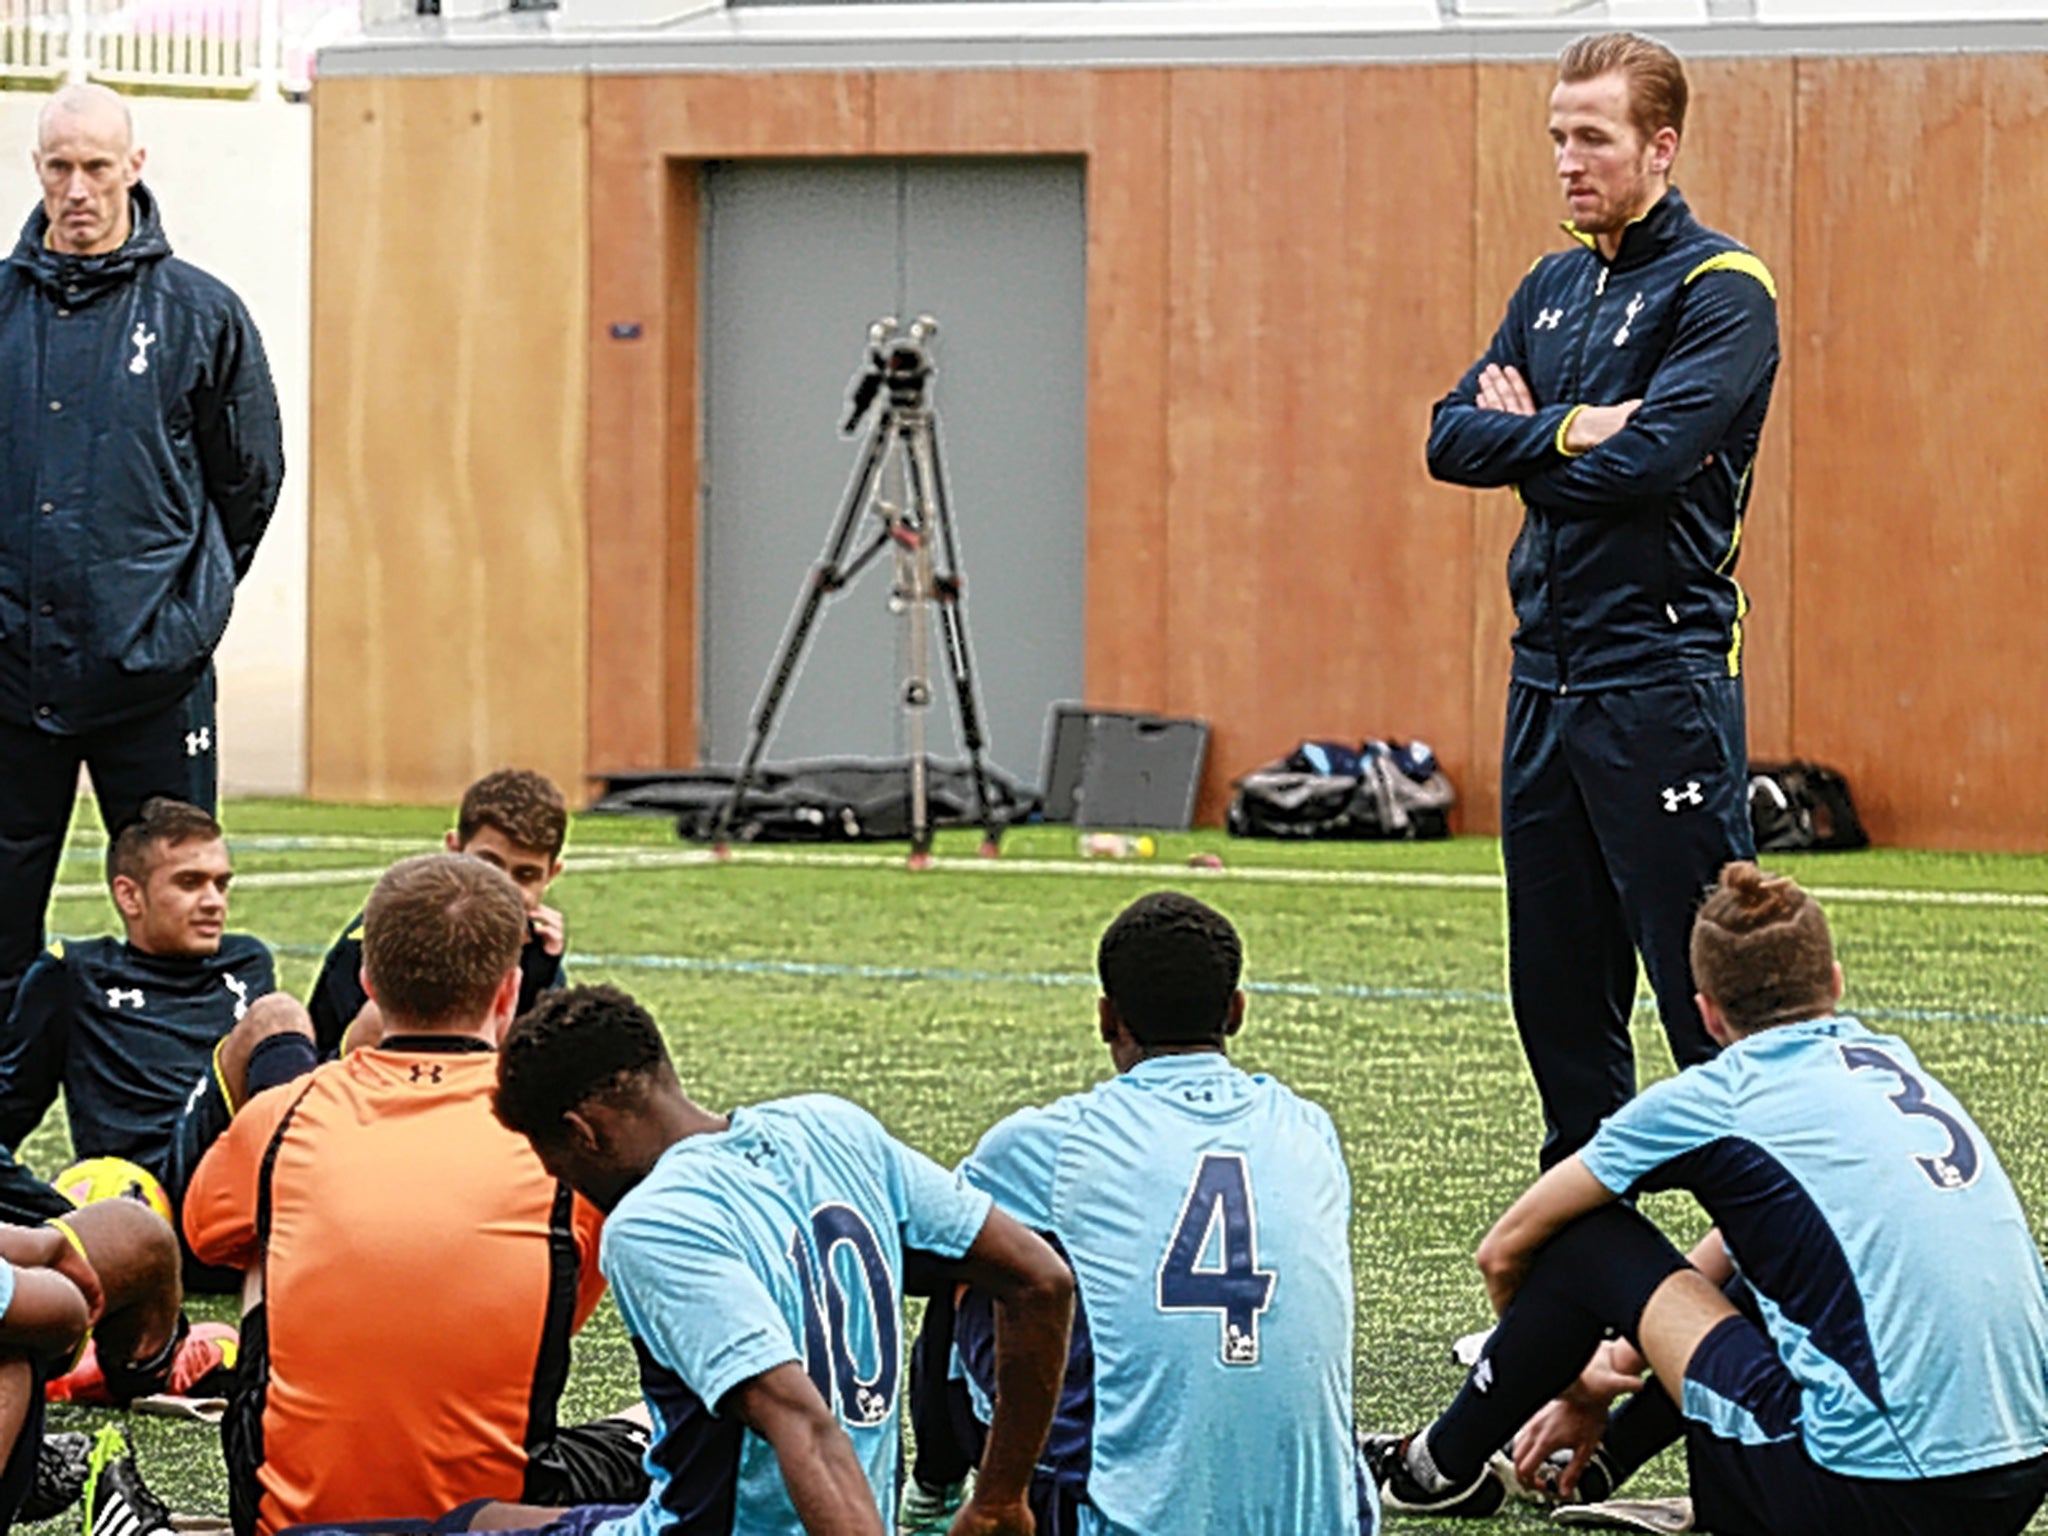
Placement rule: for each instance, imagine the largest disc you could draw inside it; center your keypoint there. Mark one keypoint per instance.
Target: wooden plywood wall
(1920, 534)
(448, 589)
(1285, 268)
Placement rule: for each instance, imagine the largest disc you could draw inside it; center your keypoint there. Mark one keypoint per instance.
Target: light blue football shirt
(6, 1288)
(778, 1240)
(1207, 1215)
(1896, 1270)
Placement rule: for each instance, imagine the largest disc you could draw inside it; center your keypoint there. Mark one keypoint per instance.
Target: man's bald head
(86, 105)
(86, 159)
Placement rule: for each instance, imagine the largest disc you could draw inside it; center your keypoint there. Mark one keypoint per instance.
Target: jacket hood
(60, 272)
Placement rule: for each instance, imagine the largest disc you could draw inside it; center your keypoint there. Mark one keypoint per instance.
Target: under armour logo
(1690, 795)
(241, 990)
(1547, 320)
(1635, 307)
(143, 340)
(198, 741)
(116, 996)
(426, 1072)
(1482, 1374)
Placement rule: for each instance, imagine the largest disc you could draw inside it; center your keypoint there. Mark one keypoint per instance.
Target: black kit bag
(1379, 791)
(1798, 806)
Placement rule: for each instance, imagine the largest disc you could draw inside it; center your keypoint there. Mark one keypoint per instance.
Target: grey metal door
(799, 257)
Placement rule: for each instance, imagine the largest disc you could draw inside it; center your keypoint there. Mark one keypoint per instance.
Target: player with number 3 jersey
(1206, 1213)
(1860, 1345)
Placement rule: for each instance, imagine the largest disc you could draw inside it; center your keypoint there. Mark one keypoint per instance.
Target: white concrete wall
(234, 180)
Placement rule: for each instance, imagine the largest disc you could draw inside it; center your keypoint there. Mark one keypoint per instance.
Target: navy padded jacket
(140, 459)
(1623, 574)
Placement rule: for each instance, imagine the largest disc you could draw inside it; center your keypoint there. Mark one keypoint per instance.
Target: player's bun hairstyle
(1762, 951)
(439, 934)
(1169, 966)
(1657, 92)
(575, 1045)
(524, 805)
(161, 823)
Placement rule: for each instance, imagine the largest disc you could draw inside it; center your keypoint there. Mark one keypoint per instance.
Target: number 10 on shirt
(1212, 1262)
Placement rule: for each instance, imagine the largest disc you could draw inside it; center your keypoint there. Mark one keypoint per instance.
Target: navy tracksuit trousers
(1618, 809)
(170, 752)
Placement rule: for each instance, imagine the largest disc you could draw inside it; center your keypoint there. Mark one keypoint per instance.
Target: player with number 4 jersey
(1206, 1213)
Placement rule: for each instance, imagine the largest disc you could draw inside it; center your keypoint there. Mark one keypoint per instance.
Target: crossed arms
(1592, 460)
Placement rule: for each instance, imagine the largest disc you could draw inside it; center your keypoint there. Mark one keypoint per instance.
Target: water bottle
(1115, 845)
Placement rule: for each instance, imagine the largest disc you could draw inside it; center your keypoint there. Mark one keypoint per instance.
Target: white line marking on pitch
(628, 859)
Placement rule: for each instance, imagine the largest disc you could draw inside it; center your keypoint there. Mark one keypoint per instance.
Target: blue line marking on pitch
(828, 970)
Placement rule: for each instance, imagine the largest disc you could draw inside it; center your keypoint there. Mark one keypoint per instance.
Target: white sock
(1422, 1466)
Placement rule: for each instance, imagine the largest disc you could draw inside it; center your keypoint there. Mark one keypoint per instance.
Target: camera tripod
(919, 535)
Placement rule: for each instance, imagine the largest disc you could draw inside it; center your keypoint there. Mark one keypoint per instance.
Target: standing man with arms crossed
(1622, 398)
(140, 461)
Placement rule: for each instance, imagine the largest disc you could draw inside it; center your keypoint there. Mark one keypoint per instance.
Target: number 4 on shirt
(1212, 1263)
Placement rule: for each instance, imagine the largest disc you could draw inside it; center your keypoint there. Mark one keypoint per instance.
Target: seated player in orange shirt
(385, 1175)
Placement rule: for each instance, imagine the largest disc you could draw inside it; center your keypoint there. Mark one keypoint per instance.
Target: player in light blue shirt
(758, 1264)
(757, 1260)
(1860, 1345)
(1206, 1212)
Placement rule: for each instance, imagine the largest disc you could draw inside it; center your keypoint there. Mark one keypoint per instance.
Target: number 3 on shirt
(863, 1399)
(1212, 1263)
(1957, 1167)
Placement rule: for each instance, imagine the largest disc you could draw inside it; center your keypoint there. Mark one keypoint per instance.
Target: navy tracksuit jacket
(1624, 781)
(140, 460)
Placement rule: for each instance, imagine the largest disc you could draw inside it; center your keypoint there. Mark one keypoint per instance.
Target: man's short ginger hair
(440, 934)
(1657, 91)
(525, 806)
(161, 823)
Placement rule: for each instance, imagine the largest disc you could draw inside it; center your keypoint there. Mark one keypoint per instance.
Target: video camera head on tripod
(896, 358)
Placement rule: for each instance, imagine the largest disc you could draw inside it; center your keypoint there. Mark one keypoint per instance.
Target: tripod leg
(827, 577)
(914, 568)
(949, 589)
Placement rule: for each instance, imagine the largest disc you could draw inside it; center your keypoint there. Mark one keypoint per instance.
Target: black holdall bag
(1799, 805)
(1380, 790)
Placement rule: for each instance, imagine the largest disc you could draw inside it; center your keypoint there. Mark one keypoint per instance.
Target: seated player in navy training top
(513, 818)
(157, 1036)
(1206, 1212)
(757, 1260)
(1862, 1343)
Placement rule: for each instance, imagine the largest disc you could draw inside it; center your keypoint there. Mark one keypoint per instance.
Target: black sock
(278, 1059)
(129, 1379)
(1592, 1280)
(1641, 1427)
(1649, 1421)
(943, 1455)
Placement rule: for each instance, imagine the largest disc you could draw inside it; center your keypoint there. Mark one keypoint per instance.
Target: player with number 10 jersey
(781, 1239)
(1206, 1212)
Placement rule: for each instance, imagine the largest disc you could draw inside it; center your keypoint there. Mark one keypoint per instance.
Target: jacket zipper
(1564, 670)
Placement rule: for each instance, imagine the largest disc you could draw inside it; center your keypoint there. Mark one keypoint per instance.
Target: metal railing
(209, 47)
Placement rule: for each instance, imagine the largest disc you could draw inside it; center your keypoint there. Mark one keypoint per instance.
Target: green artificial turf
(943, 999)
